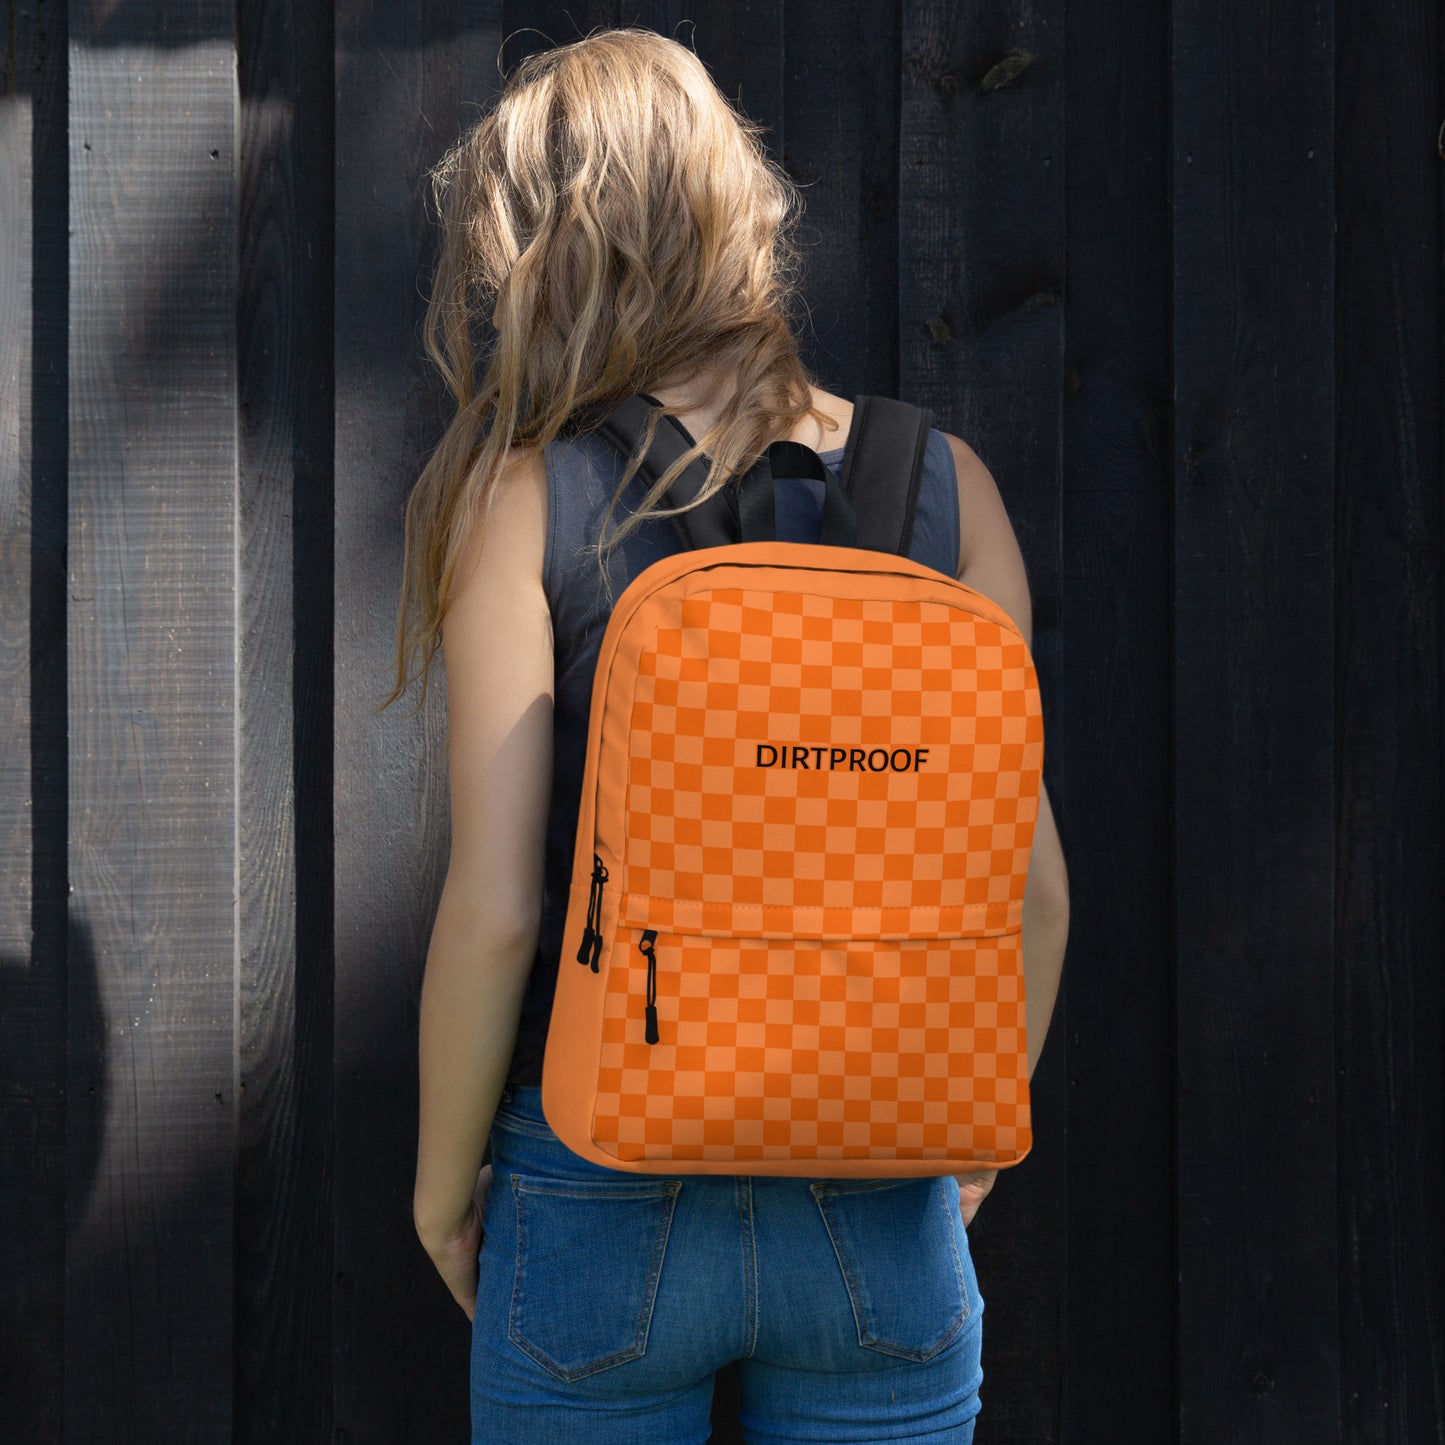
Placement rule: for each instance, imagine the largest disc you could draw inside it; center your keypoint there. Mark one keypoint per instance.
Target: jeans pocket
(897, 1247)
(589, 1257)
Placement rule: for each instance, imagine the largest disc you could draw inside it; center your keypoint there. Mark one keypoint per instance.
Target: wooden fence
(1219, 442)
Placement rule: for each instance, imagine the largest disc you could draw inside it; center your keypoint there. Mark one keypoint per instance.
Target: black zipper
(591, 949)
(647, 943)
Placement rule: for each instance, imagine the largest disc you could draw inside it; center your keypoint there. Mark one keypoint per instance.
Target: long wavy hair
(626, 226)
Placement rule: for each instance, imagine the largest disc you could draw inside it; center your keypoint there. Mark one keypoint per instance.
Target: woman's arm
(497, 644)
(991, 563)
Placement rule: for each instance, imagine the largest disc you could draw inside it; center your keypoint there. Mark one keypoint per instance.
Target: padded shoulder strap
(883, 468)
(712, 524)
(881, 474)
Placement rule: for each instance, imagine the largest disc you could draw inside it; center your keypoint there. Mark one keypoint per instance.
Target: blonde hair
(631, 232)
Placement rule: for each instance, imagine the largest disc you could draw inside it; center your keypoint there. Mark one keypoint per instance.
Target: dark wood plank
(408, 79)
(17, 223)
(1115, 731)
(532, 25)
(1391, 1248)
(840, 144)
(1255, 741)
(33, 739)
(152, 624)
(284, 1200)
(15, 228)
(981, 265)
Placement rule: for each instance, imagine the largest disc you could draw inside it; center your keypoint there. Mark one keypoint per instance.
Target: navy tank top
(583, 470)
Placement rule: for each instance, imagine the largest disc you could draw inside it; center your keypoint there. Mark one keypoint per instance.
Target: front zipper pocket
(720, 1047)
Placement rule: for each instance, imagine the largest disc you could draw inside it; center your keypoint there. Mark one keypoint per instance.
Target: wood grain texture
(532, 25)
(214, 251)
(1255, 723)
(17, 220)
(1114, 729)
(151, 654)
(840, 144)
(1388, 636)
(284, 1039)
(980, 319)
(407, 81)
(33, 738)
(15, 228)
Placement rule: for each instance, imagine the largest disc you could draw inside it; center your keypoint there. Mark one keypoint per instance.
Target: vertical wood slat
(151, 652)
(1115, 728)
(1389, 582)
(840, 143)
(283, 1356)
(163, 552)
(33, 736)
(16, 221)
(407, 81)
(981, 341)
(1253, 285)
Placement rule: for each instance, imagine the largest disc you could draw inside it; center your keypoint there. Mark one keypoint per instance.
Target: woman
(623, 229)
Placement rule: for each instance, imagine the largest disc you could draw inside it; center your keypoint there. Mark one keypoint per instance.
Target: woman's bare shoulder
(511, 534)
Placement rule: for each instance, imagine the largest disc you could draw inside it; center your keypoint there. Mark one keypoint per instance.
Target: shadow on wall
(51, 1141)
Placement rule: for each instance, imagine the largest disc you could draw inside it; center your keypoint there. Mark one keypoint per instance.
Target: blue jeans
(608, 1301)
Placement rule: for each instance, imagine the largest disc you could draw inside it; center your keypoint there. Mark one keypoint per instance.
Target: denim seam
(821, 1193)
(668, 1193)
(955, 1222)
(749, 1239)
(608, 1190)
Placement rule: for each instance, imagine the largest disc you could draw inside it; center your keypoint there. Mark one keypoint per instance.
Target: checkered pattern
(908, 1048)
(742, 668)
(839, 970)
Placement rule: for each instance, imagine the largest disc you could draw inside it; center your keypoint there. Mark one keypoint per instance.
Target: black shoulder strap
(880, 477)
(712, 524)
(883, 469)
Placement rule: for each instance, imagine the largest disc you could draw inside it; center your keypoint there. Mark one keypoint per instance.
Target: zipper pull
(647, 943)
(591, 948)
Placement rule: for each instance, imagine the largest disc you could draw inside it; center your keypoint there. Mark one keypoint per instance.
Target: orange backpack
(793, 941)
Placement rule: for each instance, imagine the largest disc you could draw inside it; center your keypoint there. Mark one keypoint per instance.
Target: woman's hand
(455, 1253)
(971, 1190)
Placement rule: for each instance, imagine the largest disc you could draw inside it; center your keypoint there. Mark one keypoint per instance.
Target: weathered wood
(15, 226)
(1388, 586)
(839, 142)
(22, 1266)
(214, 396)
(980, 316)
(284, 1199)
(532, 25)
(151, 652)
(407, 82)
(1255, 741)
(1113, 728)
(33, 736)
